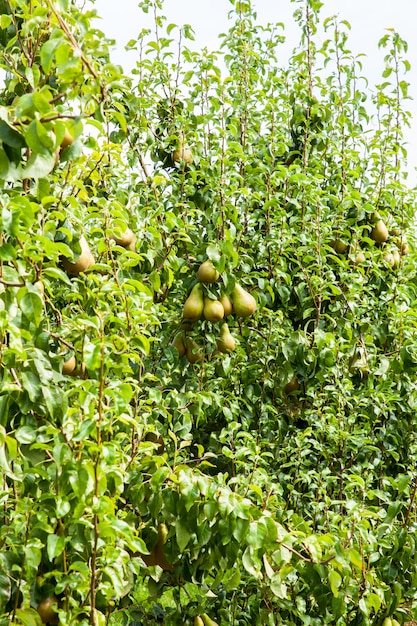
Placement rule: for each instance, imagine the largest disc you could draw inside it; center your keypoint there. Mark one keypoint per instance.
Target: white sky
(123, 20)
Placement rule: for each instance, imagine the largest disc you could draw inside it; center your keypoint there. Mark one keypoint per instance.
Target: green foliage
(282, 473)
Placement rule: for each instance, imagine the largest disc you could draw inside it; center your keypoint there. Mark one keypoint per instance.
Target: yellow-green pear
(178, 343)
(157, 555)
(379, 233)
(127, 239)
(226, 342)
(68, 367)
(389, 259)
(339, 246)
(226, 304)
(291, 386)
(359, 258)
(183, 151)
(67, 140)
(83, 262)
(207, 273)
(48, 610)
(193, 352)
(213, 310)
(396, 259)
(244, 304)
(198, 621)
(194, 305)
(207, 621)
(402, 246)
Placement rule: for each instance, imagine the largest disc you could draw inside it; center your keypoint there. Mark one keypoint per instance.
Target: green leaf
(335, 581)
(38, 166)
(182, 534)
(31, 304)
(28, 617)
(55, 546)
(10, 136)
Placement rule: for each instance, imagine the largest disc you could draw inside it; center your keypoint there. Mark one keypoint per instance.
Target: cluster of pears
(200, 306)
(380, 234)
(204, 620)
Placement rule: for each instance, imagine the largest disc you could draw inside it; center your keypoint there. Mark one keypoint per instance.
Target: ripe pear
(339, 246)
(198, 621)
(207, 621)
(68, 367)
(396, 259)
(226, 342)
(67, 140)
(157, 555)
(127, 239)
(183, 152)
(47, 610)
(244, 304)
(194, 305)
(213, 310)
(359, 258)
(193, 352)
(379, 233)
(291, 386)
(207, 273)
(389, 259)
(178, 343)
(226, 304)
(402, 246)
(84, 261)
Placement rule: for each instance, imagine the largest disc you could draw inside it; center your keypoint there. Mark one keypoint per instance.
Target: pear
(194, 305)
(226, 342)
(213, 310)
(47, 610)
(127, 239)
(183, 152)
(207, 273)
(389, 259)
(207, 621)
(198, 621)
(178, 343)
(157, 555)
(291, 386)
(193, 352)
(402, 246)
(244, 304)
(67, 140)
(226, 304)
(396, 259)
(359, 258)
(379, 233)
(84, 261)
(68, 367)
(339, 246)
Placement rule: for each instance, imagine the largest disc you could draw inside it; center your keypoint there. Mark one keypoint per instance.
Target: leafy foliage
(274, 484)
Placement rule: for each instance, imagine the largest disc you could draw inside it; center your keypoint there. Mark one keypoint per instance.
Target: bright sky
(123, 20)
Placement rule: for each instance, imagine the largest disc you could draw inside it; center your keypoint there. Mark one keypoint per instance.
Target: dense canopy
(208, 326)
